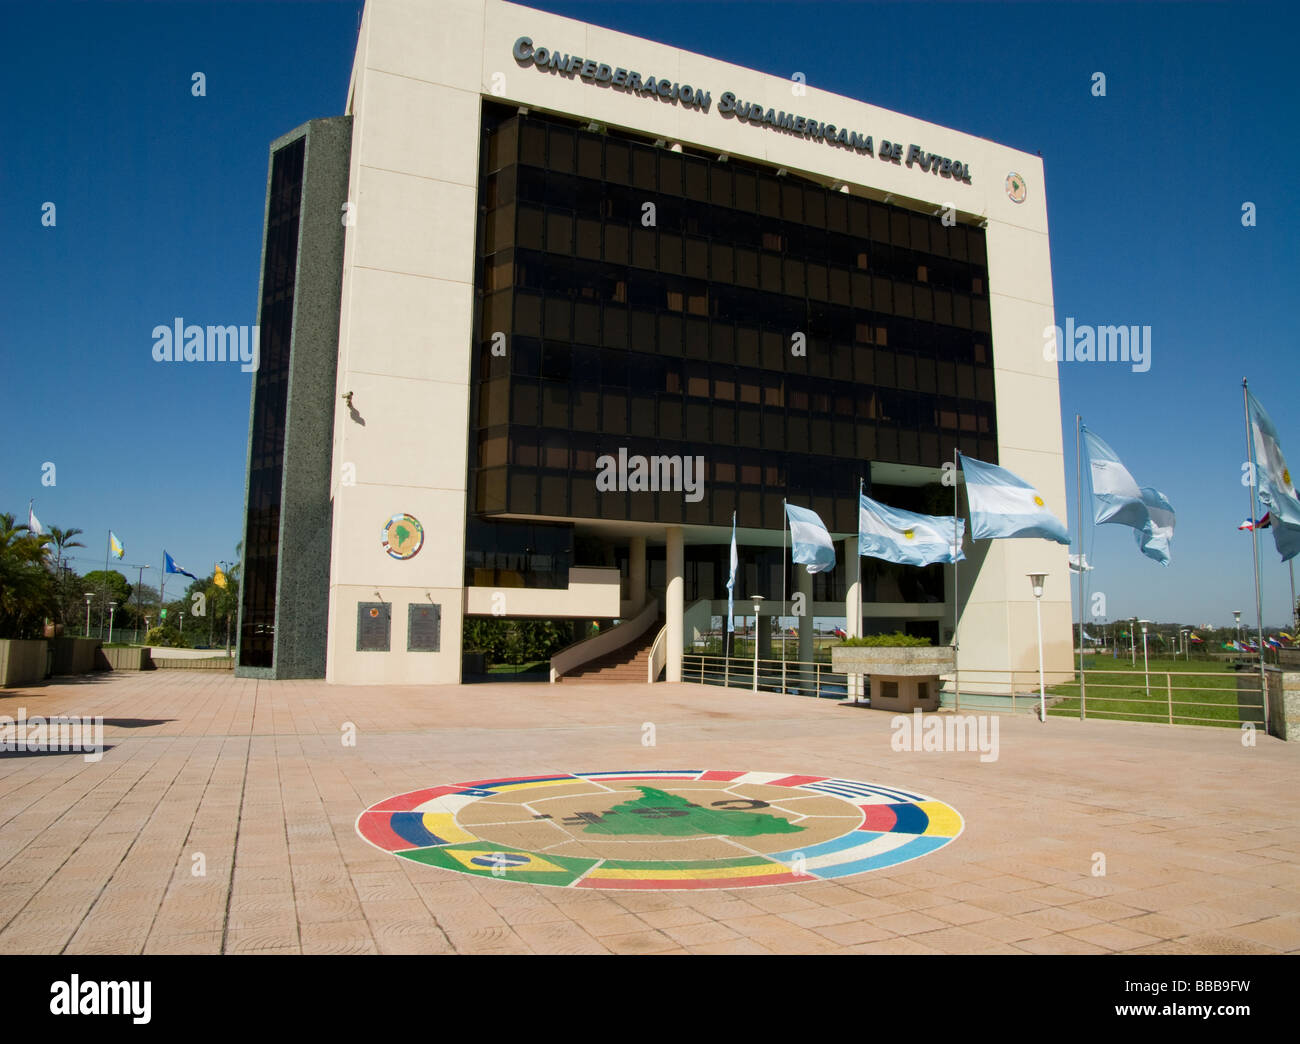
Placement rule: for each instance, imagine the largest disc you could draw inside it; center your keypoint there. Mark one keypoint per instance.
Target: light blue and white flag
(1003, 505)
(1153, 538)
(810, 542)
(34, 523)
(1276, 489)
(1116, 496)
(731, 580)
(1287, 539)
(906, 537)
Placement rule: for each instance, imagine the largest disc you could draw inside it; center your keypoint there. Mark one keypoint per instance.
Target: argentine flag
(1153, 538)
(906, 537)
(1004, 505)
(731, 580)
(810, 542)
(1115, 493)
(1277, 491)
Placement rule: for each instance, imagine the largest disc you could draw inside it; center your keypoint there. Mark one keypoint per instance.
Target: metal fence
(135, 636)
(797, 677)
(1167, 697)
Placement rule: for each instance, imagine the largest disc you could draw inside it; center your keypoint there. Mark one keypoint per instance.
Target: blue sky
(159, 199)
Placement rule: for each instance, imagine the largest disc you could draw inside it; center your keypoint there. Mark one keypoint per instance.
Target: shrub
(895, 640)
(167, 637)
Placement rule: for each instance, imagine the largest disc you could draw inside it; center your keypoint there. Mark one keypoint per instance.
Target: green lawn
(1201, 689)
(519, 668)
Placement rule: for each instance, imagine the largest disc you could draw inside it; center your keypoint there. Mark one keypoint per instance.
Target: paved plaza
(1081, 837)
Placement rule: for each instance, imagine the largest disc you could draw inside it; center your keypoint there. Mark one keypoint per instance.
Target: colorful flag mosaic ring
(660, 829)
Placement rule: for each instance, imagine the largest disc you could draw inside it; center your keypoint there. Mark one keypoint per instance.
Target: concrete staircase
(622, 666)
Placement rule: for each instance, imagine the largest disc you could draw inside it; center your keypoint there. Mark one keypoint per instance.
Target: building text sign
(686, 95)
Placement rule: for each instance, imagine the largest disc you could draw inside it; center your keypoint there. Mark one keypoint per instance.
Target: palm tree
(63, 540)
(26, 586)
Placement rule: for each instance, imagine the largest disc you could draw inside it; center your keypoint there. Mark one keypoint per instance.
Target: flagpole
(956, 588)
(1078, 514)
(162, 589)
(728, 642)
(785, 524)
(1295, 618)
(108, 548)
(1254, 544)
(859, 599)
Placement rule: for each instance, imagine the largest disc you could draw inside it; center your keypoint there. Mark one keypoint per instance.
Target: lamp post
(1236, 617)
(1037, 581)
(225, 568)
(112, 608)
(1187, 652)
(139, 582)
(1145, 669)
(758, 604)
(89, 596)
(182, 616)
(1132, 641)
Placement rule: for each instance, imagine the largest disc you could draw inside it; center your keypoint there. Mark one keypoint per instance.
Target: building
(549, 303)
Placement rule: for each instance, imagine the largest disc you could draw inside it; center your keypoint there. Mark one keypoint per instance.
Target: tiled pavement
(1197, 831)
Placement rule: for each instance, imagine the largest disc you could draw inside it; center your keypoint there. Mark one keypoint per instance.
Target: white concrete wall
(591, 592)
(405, 329)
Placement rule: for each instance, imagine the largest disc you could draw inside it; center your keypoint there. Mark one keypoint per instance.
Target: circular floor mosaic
(660, 829)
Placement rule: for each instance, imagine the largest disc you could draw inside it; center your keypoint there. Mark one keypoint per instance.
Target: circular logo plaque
(660, 829)
(403, 536)
(1016, 190)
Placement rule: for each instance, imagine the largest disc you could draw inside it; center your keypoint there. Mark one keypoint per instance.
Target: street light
(1236, 616)
(758, 604)
(1145, 669)
(89, 595)
(182, 616)
(1187, 653)
(112, 608)
(139, 583)
(1037, 581)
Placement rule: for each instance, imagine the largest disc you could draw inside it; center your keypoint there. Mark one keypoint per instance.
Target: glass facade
(675, 304)
(270, 397)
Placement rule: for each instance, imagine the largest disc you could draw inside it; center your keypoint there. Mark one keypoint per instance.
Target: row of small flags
(1281, 640)
(117, 550)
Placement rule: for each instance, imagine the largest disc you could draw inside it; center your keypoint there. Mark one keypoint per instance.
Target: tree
(27, 591)
(62, 540)
(109, 586)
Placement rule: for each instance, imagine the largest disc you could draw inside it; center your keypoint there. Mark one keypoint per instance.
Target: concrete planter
(903, 678)
(129, 659)
(23, 660)
(75, 655)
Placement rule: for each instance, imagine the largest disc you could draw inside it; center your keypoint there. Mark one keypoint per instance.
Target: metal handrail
(658, 655)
